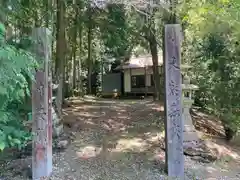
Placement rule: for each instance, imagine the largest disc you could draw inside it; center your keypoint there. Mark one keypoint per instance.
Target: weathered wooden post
(173, 108)
(41, 106)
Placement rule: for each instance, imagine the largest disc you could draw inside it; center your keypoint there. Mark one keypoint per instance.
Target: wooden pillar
(130, 69)
(48, 58)
(146, 88)
(173, 107)
(41, 106)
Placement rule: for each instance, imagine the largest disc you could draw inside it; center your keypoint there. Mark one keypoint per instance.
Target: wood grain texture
(173, 107)
(48, 57)
(41, 107)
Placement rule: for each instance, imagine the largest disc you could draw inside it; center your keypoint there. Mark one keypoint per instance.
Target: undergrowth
(17, 67)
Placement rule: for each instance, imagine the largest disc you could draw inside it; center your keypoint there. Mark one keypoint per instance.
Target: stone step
(189, 128)
(190, 134)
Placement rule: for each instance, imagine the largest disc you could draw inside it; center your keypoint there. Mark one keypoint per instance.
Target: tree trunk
(75, 47)
(60, 54)
(67, 77)
(48, 16)
(52, 47)
(154, 53)
(229, 132)
(3, 8)
(90, 64)
(80, 81)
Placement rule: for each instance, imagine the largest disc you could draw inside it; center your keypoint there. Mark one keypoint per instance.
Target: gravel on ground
(117, 140)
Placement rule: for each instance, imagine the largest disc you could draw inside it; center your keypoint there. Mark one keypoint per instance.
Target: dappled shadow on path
(123, 139)
(128, 135)
(211, 131)
(114, 116)
(117, 133)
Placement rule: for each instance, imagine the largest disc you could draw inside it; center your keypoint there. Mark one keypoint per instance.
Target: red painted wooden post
(173, 107)
(41, 107)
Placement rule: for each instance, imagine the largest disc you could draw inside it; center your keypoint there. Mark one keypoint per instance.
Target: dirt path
(115, 139)
(121, 140)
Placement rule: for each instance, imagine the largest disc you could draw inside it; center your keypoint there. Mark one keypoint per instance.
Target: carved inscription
(173, 93)
(41, 108)
(49, 128)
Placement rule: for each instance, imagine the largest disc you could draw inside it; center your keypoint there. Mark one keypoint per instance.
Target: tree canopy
(88, 39)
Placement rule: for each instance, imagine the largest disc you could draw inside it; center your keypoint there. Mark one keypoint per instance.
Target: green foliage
(212, 47)
(2, 31)
(115, 34)
(16, 69)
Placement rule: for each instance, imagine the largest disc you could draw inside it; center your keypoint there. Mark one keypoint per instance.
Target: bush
(17, 67)
(217, 72)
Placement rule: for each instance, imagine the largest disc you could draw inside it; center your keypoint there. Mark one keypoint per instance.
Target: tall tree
(89, 41)
(80, 45)
(60, 52)
(74, 44)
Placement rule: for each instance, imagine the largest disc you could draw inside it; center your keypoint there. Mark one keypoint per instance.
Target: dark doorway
(138, 81)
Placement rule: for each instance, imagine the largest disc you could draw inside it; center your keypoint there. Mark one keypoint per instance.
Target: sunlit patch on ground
(135, 144)
(123, 139)
(88, 152)
(223, 150)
